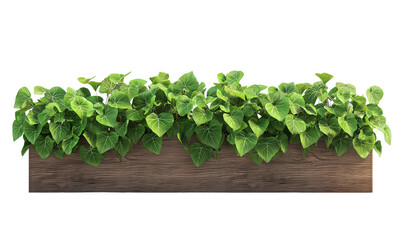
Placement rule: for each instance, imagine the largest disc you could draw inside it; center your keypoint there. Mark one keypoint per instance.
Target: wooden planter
(173, 171)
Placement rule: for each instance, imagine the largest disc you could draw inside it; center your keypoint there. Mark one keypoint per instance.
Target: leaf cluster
(257, 120)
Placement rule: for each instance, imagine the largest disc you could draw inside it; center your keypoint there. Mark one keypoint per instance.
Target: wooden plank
(173, 171)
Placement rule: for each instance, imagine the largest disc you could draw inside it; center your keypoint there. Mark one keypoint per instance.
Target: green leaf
(84, 80)
(95, 85)
(69, 144)
(55, 94)
(288, 87)
(364, 144)
(106, 141)
(17, 129)
(23, 95)
(312, 93)
(135, 133)
(59, 131)
(345, 87)
(253, 91)
(245, 142)
(342, 144)
(329, 127)
(375, 110)
(258, 126)
(134, 115)
(255, 158)
(200, 153)
(234, 76)
(43, 146)
(121, 128)
(119, 99)
(294, 124)
(378, 147)
(348, 123)
(107, 86)
(283, 141)
(310, 109)
(310, 137)
(82, 107)
(90, 138)
(221, 96)
(116, 77)
(278, 110)
(267, 148)
(210, 134)
(109, 118)
(39, 90)
(301, 87)
(152, 142)
(91, 156)
(387, 134)
(201, 116)
(234, 119)
(184, 105)
(188, 82)
(123, 146)
(32, 132)
(58, 151)
(160, 124)
(374, 94)
(296, 102)
(325, 77)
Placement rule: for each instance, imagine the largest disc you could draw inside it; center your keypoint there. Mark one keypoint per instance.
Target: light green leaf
(84, 80)
(135, 133)
(312, 93)
(294, 124)
(378, 147)
(258, 126)
(107, 86)
(245, 142)
(184, 105)
(310, 109)
(221, 96)
(387, 134)
(119, 99)
(59, 131)
(106, 141)
(342, 144)
(348, 123)
(330, 127)
(210, 134)
(109, 118)
(17, 129)
(364, 144)
(296, 102)
(267, 148)
(200, 153)
(43, 146)
(160, 124)
(117, 77)
(188, 82)
(55, 94)
(374, 94)
(90, 138)
(301, 87)
(325, 77)
(374, 109)
(39, 90)
(32, 132)
(278, 110)
(253, 91)
(95, 85)
(201, 116)
(152, 142)
(309, 137)
(346, 87)
(234, 76)
(82, 107)
(91, 156)
(69, 144)
(23, 95)
(234, 119)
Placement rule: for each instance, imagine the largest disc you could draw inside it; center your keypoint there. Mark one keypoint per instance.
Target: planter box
(173, 171)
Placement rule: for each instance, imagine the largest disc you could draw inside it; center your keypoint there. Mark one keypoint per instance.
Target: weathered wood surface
(173, 171)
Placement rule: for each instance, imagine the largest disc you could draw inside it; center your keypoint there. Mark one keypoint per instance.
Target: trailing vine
(255, 120)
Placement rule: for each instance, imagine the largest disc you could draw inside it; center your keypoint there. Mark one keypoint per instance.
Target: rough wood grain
(173, 171)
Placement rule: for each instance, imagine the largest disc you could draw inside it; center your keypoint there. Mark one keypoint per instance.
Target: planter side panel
(173, 171)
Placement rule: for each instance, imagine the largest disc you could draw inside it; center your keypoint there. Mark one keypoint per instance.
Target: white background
(52, 43)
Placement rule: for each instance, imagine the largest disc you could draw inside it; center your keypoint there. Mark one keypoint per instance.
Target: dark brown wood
(173, 171)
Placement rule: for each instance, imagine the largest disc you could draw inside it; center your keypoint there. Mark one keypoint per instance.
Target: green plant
(251, 121)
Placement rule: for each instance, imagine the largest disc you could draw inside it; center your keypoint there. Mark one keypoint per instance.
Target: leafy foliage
(256, 120)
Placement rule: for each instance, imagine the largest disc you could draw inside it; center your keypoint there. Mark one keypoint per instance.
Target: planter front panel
(173, 171)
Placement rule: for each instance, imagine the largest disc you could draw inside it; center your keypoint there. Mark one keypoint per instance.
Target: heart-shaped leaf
(210, 134)
(201, 116)
(278, 110)
(106, 141)
(43, 146)
(258, 126)
(200, 153)
(348, 123)
(234, 119)
(245, 142)
(160, 124)
(267, 148)
(294, 124)
(90, 156)
(152, 142)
